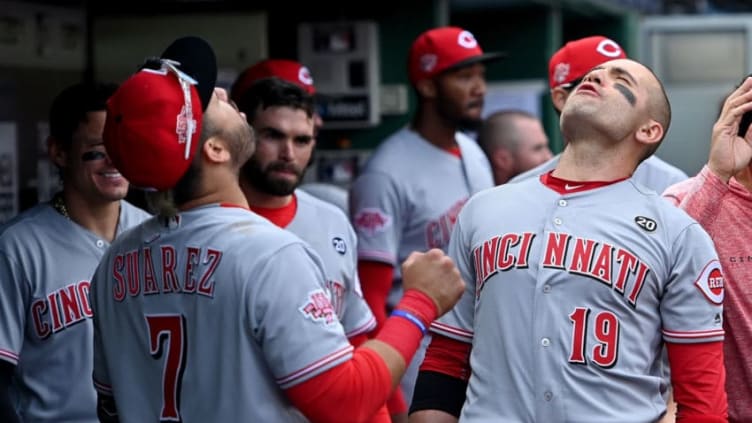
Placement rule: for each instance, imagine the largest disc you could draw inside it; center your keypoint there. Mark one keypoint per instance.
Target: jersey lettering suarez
(572, 298)
(219, 307)
(46, 265)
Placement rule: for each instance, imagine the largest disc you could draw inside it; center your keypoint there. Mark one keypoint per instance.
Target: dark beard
(260, 180)
(469, 124)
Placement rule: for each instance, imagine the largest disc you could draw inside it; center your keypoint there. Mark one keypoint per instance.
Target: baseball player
(298, 74)
(409, 193)
(719, 198)
(210, 313)
(47, 258)
(565, 70)
(579, 284)
(282, 116)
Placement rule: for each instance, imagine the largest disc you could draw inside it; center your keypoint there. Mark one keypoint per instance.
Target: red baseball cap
(153, 123)
(577, 57)
(445, 48)
(287, 70)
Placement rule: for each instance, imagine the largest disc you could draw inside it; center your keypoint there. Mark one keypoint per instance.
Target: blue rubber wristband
(411, 318)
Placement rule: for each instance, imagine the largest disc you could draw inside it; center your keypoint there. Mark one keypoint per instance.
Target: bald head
(514, 141)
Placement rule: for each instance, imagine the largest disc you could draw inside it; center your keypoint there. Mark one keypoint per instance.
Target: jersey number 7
(167, 337)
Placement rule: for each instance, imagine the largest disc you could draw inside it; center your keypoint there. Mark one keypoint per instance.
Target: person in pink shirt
(720, 199)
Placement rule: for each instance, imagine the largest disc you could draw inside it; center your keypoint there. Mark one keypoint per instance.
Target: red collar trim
(280, 216)
(563, 186)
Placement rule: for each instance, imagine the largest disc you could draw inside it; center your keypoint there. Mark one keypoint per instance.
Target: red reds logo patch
(710, 282)
(371, 221)
(318, 308)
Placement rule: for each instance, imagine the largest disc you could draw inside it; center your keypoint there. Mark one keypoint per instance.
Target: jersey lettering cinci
(136, 272)
(61, 309)
(608, 264)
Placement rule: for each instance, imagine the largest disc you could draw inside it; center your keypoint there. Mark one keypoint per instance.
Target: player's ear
(501, 158)
(56, 152)
(426, 88)
(650, 132)
(559, 97)
(215, 150)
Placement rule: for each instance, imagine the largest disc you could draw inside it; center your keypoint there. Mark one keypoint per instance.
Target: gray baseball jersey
(409, 193)
(653, 172)
(331, 193)
(571, 297)
(206, 318)
(46, 265)
(328, 231)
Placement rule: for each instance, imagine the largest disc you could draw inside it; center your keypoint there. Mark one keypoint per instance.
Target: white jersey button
(548, 396)
(546, 289)
(557, 221)
(100, 243)
(563, 203)
(545, 342)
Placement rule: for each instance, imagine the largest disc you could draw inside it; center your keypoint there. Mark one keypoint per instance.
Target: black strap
(7, 410)
(106, 409)
(437, 391)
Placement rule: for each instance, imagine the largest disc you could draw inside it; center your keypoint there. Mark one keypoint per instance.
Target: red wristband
(419, 305)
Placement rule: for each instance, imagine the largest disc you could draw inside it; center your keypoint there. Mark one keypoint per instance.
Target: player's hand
(730, 153)
(435, 274)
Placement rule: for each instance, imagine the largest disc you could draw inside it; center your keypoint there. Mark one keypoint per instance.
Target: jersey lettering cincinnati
(136, 273)
(613, 266)
(61, 309)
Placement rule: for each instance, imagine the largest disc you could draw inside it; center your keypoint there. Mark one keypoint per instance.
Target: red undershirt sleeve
(349, 393)
(382, 416)
(698, 377)
(448, 356)
(357, 389)
(376, 281)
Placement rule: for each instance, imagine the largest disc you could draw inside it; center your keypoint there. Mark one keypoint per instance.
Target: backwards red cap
(577, 57)
(441, 49)
(287, 70)
(153, 120)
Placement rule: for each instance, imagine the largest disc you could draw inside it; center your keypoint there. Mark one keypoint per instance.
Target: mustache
(282, 166)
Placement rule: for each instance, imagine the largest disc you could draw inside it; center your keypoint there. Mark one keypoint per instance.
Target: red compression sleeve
(351, 392)
(376, 281)
(698, 378)
(448, 356)
(355, 390)
(382, 416)
(402, 333)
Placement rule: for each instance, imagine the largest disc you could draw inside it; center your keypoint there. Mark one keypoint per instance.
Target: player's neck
(101, 218)
(589, 161)
(228, 193)
(435, 130)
